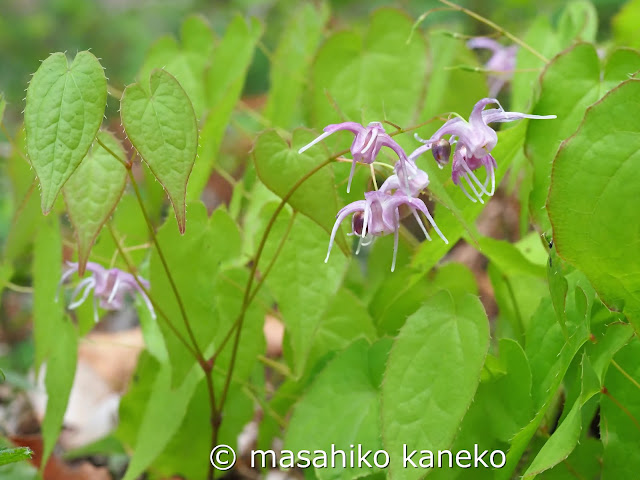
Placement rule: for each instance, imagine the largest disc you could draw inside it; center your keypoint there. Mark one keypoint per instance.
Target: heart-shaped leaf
(280, 166)
(65, 106)
(93, 191)
(161, 124)
(593, 199)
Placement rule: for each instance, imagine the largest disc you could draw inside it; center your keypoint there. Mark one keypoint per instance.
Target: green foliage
(94, 190)
(574, 80)
(161, 124)
(369, 359)
(600, 162)
(65, 105)
(279, 167)
(12, 455)
(452, 333)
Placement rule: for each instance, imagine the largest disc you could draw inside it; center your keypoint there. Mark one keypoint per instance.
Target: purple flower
(415, 180)
(501, 64)
(377, 215)
(366, 145)
(110, 286)
(475, 140)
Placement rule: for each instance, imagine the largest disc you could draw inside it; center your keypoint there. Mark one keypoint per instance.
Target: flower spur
(366, 145)
(474, 140)
(110, 286)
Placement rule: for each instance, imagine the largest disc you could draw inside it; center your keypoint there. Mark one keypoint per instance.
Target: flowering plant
(174, 207)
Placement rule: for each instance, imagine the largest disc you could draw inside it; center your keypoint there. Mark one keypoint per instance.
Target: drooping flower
(366, 145)
(408, 177)
(501, 64)
(379, 214)
(109, 286)
(475, 140)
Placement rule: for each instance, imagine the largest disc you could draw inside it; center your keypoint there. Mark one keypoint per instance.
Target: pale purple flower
(414, 182)
(475, 140)
(109, 286)
(366, 145)
(377, 215)
(501, 64)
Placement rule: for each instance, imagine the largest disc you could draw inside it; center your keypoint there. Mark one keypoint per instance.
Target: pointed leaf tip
(64, 109)
(161, 124)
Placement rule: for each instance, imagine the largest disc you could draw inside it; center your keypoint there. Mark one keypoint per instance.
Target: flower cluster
(379, 213)
(474, 140)
(110, 286)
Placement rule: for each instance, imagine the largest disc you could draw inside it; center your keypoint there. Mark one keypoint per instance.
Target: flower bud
(441, 151)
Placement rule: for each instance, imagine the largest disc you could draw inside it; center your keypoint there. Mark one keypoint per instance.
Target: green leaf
(570, 83)
(55, 336)
(508, 258)
(12, 455)
(559, 445)
(48, 311)
(614, 337)
(402, 293)
(625, 24)
(435, 362)
(65, 106)
(550, 353)
(558, 286)
(3, 105)
(161, 125)
(342, 408)
(370, 77)
(345, 320)
(223, 86)
(188, 62)
(93, 192)
(301, 283)
(593, 188)
(60, 372)
(280, 167)
(157, 427)
(578, 22)
(291, 61)
(620, 411)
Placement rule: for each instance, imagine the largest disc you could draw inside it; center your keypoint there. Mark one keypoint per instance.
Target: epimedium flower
(108, 285)
(366, 145)
(474, 140)
(407, 176)
(379, 214)
(501, 64)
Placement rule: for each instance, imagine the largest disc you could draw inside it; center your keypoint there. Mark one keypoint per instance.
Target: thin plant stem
(263, 277)
(623, 372)
(496, 27)
(156, 307)
(165, 265)
(114, 92)
(113, 154)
